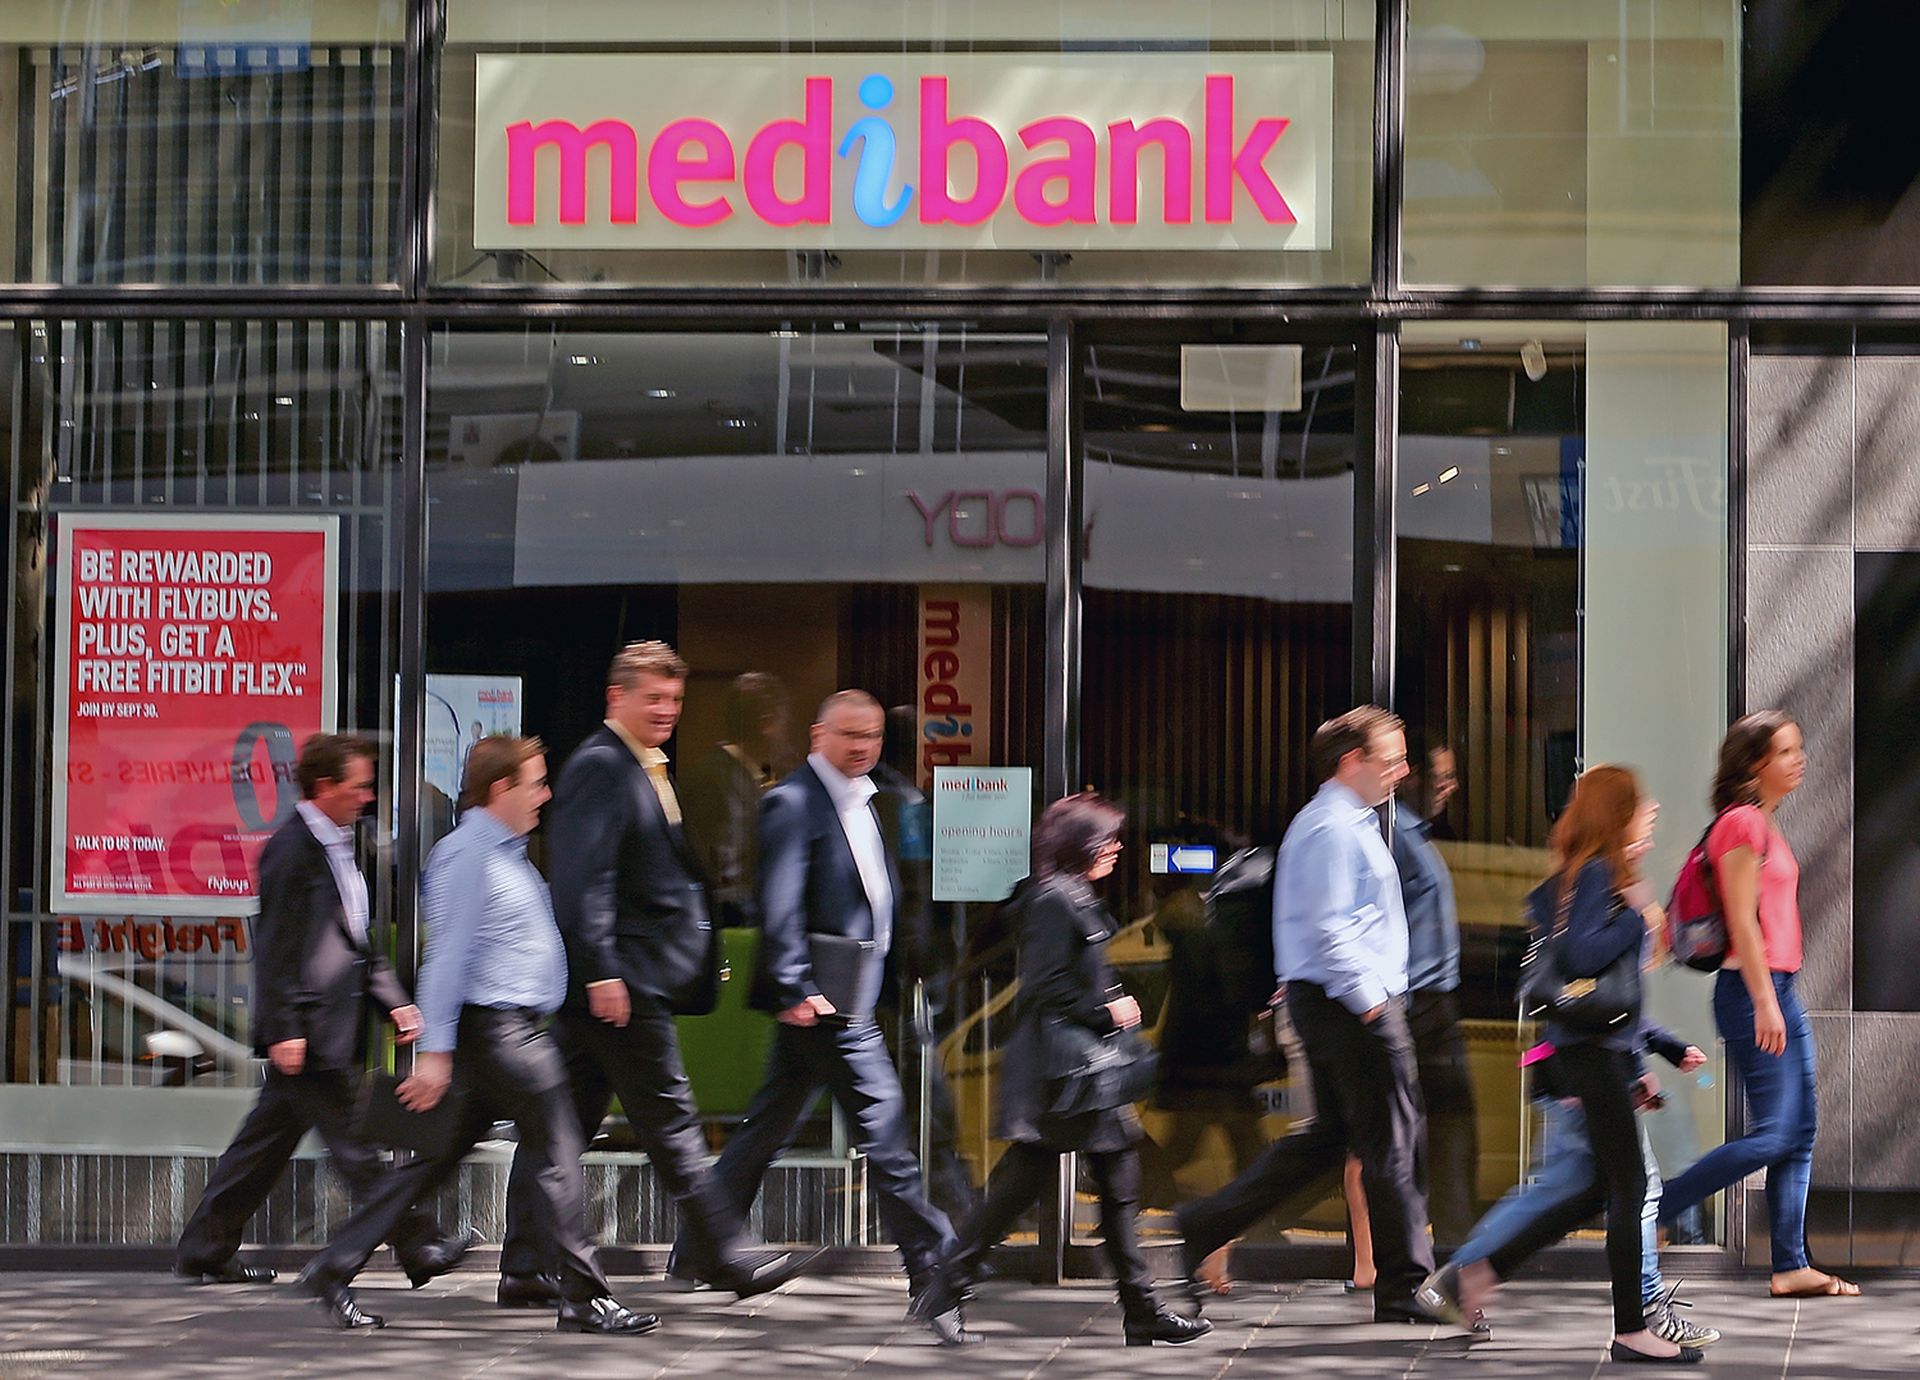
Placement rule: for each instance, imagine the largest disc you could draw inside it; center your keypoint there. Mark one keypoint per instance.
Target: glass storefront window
(842, 144)
(1219, 633)
(1572, 145)
(1561, 529)
(797, 510)
(202, 143)
(151, 715)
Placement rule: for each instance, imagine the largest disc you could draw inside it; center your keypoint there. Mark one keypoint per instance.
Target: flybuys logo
(1137, 150)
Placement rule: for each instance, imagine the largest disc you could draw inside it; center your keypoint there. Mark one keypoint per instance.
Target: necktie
(662, 787)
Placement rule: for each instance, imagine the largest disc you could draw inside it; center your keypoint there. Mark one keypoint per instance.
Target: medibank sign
(1006, 151)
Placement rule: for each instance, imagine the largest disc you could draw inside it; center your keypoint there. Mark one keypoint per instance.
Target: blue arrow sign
(1190, 857)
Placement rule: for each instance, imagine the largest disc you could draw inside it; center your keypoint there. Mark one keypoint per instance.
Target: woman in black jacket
(1064, 978)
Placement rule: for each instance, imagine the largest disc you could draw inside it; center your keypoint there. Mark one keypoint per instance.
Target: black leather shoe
(233, 1272)
(431, 1261)
(1689, 1356)
(756, 1272)
(338, 1303)
(1408, 1310)
(681, 1274)
(1162, 1326)
(527, 1291)
(606, 1316)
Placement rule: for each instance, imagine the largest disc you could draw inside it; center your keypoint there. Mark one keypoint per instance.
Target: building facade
(1116, 390)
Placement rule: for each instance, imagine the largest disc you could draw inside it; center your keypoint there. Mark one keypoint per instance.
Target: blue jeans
(1566, 1170)
(1781, 1119)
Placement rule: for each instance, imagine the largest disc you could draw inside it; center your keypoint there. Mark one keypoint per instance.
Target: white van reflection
(120, 1033)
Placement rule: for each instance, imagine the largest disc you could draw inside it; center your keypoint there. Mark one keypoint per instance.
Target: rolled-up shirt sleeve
(454, 893)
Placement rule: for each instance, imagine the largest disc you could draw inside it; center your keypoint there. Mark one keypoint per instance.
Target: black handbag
(1086, 1072)
(1585, 1004)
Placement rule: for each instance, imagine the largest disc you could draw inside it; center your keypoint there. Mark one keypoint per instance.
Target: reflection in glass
(202, 143)
(1218, 634)
(220, 417)
(797, 510)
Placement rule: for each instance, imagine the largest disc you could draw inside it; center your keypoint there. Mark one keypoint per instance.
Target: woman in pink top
(1756, 1001)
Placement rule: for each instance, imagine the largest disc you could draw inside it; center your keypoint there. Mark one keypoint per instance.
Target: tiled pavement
(148, 1327)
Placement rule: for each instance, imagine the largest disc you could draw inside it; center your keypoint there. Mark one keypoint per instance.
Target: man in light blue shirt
(495, 969)
(1340, 948)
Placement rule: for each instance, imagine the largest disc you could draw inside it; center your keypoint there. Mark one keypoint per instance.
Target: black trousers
(509, 1067)
(288, 1107)
(850, 1061)
(1452, 1156)
(1025, 1172)
(1603, 1081)
(1366, 1098)
(641, 1062)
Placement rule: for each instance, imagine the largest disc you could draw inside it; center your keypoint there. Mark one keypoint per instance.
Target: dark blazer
(1064, 975)
(809, 884)
(720, 801)
(312, 979)
(628, 893)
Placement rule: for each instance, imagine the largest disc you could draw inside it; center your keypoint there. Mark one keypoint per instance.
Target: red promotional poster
(194, 656)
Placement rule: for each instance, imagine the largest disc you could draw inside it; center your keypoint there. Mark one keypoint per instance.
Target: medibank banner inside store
(1047, 151)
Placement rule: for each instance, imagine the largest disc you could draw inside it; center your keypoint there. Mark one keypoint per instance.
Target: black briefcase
(382, 1119)
(839, 962)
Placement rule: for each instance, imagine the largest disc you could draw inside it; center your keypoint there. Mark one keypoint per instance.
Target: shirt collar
(848, 792)
(487, 827)
(645, 756)
(329, 834)
(1342, 800)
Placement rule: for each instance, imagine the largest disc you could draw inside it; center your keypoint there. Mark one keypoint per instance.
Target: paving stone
(150, 1326)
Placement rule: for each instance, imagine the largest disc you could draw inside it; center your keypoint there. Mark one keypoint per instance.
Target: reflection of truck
(122, 1032)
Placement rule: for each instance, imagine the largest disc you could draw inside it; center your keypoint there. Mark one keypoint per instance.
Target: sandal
(1831, 1287)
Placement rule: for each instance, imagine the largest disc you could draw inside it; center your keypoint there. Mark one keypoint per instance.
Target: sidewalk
(142, 1326)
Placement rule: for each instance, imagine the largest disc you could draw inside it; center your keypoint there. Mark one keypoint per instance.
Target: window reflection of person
(1209, 1069)
(720, 793)
(1433, 1014)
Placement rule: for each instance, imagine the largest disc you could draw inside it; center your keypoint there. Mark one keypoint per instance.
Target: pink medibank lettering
(695, 176)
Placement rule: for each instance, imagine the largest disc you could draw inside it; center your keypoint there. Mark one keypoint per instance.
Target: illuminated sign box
(1021, 151)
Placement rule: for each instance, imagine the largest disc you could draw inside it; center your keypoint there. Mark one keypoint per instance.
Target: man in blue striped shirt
(1340, 948)
(495, 969)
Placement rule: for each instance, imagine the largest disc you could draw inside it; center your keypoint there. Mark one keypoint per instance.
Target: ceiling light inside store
(1419, 489)
(661, 393)
(1449, 474)
(583, 359)
(1469, 342)
(1533, 358)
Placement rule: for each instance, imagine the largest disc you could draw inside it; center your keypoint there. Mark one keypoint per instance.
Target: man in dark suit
(720, 795)
(828, 885)
(314, 972)
(631, 904)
